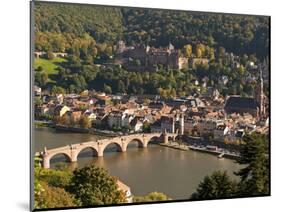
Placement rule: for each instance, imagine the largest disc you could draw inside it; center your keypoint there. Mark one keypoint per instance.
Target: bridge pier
(123, 145)
(124, 148)
(73, 154)
(144, 144)
(100, 149)
(74, 157)
(100, 153)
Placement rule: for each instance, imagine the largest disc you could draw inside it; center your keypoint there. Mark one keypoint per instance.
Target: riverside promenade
(185, 147)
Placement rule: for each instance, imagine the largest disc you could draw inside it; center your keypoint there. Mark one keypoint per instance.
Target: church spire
(260, 95)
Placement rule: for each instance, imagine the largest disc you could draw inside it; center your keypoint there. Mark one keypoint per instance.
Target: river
(156, 168)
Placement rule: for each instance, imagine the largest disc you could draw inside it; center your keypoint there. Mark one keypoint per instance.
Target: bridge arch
(173, 137)
(47, 160)
(93, 149)
(138, 140)
(152, 138)
(65, 154)
(117, 144)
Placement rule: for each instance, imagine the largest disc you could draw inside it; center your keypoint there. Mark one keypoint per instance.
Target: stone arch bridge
(72, 151)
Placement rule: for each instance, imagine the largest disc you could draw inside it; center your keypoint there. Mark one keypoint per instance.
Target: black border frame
(31, 142)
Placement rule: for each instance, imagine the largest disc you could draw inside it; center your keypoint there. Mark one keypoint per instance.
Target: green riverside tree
(255, 175)
(218, 185)
(56, 178)
(46, 192)
(152, 197)
(94, 186)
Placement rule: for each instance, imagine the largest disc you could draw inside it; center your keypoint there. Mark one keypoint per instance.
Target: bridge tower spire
(181, 124)
(46, 160)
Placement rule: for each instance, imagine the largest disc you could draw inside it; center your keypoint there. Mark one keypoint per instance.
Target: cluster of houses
(207, 116)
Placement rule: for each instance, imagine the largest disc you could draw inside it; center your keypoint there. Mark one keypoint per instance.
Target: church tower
(259, 94)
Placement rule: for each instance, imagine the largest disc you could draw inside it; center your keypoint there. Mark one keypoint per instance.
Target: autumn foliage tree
(85, 122)
(187, 50)
(55, 197)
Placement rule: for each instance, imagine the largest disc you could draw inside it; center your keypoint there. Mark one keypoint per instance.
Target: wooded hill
(67, 22)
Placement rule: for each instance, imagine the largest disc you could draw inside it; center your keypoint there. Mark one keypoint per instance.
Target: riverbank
(216, 153)
(38, 123)
(175, 146)
(93, 131)
(71, 129)
(104, 132)
(222, 154)
(63, 128)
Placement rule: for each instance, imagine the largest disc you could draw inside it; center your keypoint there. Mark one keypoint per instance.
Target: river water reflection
(156, 168)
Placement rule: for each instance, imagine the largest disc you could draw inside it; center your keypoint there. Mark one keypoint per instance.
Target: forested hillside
(89, 34)
(102, 23)
(236, 33)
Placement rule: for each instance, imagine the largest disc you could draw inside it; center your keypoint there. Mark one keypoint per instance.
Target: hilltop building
(140, 58)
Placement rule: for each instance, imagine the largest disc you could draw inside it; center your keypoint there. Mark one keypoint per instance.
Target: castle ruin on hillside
(146, 58)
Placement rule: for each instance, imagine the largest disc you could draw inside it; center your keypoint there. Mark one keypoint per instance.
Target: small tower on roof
(121, 46)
